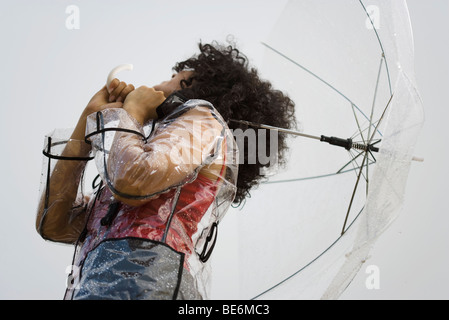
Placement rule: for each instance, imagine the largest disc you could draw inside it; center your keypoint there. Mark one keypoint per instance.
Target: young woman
(169, 168)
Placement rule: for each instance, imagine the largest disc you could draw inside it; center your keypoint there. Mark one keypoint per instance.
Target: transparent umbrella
(348, 65)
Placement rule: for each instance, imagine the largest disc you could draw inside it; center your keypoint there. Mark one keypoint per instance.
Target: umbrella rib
(353, 194)
(380, 119)
(359, 175)
(354, 163)
(358, 124)
(375, 96)
(357, 167)
(372, 106)
(356, 132)
(350, 161)
(366, 175)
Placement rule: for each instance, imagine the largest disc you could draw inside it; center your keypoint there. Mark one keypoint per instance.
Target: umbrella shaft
(348, 144)
(345, 143)
(264, 126)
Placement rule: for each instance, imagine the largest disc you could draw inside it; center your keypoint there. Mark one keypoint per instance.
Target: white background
(48, 73)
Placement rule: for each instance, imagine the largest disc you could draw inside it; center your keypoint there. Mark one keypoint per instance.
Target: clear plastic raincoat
(149, 227)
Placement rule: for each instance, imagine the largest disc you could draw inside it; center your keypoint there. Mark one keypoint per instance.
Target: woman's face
(168, 87)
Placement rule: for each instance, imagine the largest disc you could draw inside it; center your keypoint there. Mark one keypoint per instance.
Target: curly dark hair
(223, 77)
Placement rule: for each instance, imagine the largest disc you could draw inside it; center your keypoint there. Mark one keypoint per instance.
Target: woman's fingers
(114, 83)
(128, 89)
(118, 90)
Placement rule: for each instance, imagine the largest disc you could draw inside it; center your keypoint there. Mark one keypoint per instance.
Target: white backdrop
(49, 72)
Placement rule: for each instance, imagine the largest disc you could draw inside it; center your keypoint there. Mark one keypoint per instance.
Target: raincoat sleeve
(61, 212)
(137, 168)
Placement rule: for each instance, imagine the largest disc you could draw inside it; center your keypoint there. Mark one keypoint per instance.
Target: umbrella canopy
(348, 65)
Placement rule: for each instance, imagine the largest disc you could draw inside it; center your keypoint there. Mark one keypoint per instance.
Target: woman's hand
(107, 96)
(141, 103)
